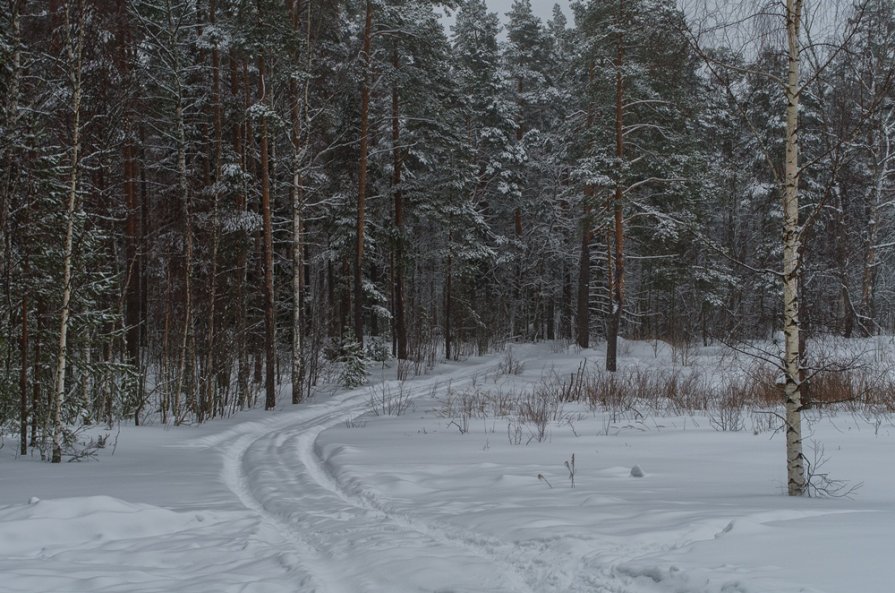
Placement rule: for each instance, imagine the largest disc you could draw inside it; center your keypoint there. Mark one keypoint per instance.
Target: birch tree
(75, 17)
(792, 256)
(791, 176)
(788, 177)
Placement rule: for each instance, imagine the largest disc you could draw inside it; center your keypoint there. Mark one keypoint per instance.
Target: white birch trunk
(795, 468)
(75, 51)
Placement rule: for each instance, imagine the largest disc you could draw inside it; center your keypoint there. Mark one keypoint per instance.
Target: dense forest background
(203, 201)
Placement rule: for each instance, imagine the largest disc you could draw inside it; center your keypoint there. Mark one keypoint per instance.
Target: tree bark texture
(299, 98)
(582, 318)
(270, 400)
(75, 53)
(23, 373)
(617, 277)
(792, 260)
(400, 322)
(362, 177)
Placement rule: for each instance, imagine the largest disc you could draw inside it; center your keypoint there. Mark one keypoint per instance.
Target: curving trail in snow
(321, 529)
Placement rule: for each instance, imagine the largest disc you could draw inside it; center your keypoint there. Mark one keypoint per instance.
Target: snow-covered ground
(329, 498)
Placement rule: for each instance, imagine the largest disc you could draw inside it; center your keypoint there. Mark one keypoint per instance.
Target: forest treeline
(202, 201)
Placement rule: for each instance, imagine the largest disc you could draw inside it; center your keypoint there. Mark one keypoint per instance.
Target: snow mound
(32, 528)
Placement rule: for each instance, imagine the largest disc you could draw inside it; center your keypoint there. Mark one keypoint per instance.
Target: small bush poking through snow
(727, 415)
(510, 365)
(570, 465)
(388, 401)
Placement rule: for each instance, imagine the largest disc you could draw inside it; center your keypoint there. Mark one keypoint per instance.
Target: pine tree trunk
(297, 369)
(868, 278)
(133, 258)
(209, 380)
(164, 363)
(180, 405)
(550, 316)
(145, 226)
(870, 261)
(448, 301)
(240, 142)
(9, 178)
(792, 256)
(400, 323)
(208, 407)
(133, 299)
(345, 297)
(518, 308)
(10, 122)
(299, 99)
(583, 316)
(617, 277)
(38, 408)
(270, 401)
(566, 305)
(362, 177)
(23, 371)
(183, 186)
(842, 267)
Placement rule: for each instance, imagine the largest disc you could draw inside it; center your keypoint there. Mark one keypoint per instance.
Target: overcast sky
(542, 9)
(823, 15)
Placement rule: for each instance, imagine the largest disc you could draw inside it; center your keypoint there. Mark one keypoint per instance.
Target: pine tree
(642, 66)
(491, 117)
(535, 72)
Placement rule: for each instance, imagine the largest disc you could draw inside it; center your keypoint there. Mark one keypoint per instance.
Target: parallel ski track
(274, 469)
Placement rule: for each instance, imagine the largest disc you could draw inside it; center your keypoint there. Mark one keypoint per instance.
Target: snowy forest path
(320, 529)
